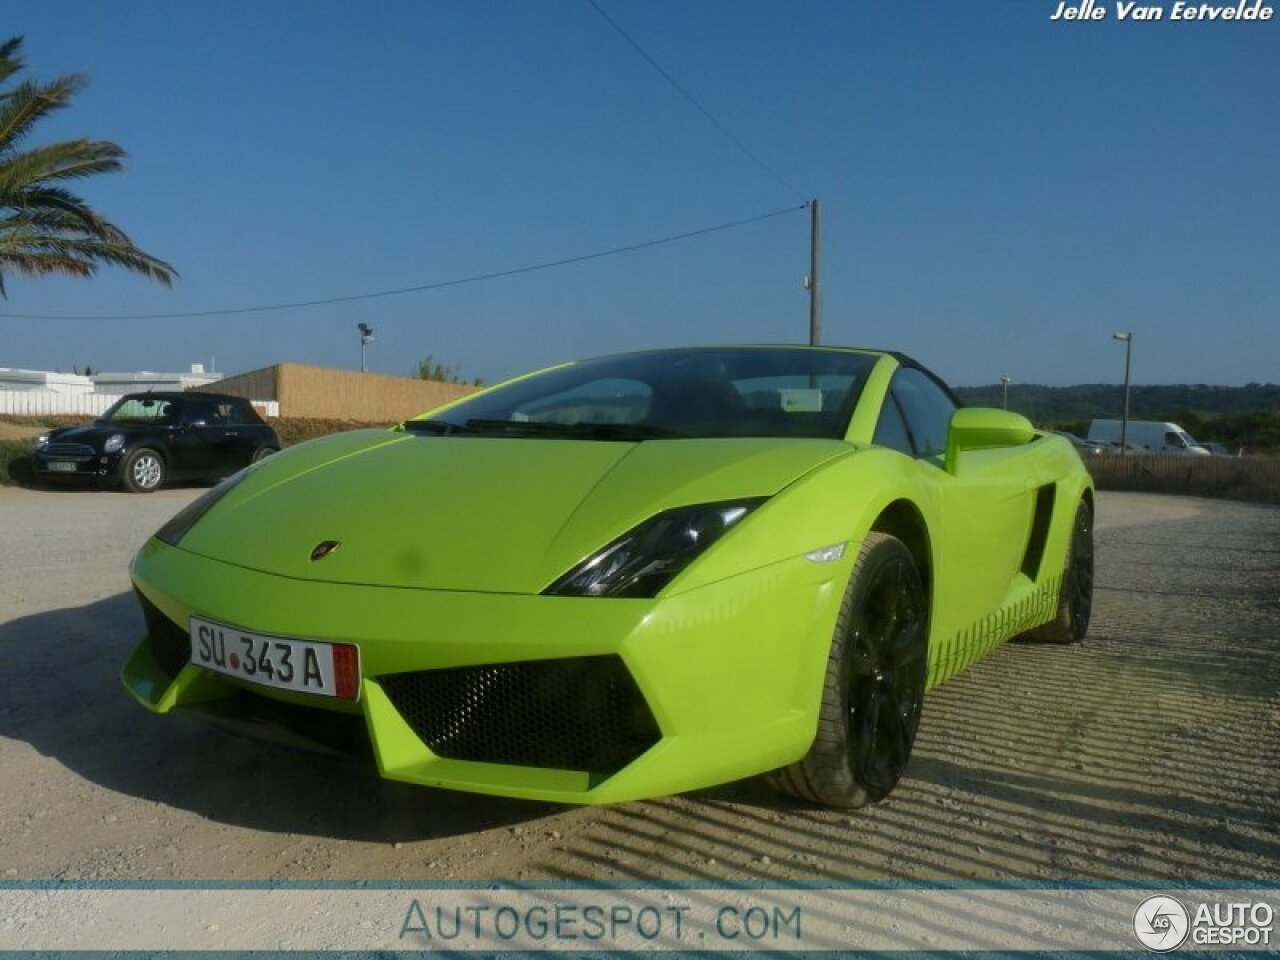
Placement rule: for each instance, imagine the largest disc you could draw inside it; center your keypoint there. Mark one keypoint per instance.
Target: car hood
(506, 515)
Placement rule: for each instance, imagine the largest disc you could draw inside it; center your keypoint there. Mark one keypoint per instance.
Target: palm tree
(45, 228)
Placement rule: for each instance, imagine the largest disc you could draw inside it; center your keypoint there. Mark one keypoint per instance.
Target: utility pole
(815, 250)
(1004, 393)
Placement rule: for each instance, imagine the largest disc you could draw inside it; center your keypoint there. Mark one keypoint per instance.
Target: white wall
(43, 403)
(11, 379)
(39, 403)
(119, 383)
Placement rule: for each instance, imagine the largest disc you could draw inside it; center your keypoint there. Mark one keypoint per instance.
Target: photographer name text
(1085, 10)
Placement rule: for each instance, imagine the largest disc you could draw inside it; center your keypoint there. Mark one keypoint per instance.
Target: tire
(262, 453)
(1075, 596)
(142, 470)
(873, 689)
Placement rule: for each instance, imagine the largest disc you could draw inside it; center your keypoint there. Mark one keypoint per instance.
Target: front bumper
(702, 687)
(92, 466)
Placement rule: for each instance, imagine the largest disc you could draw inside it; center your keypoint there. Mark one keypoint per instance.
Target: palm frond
(65, 160)
(56, 198)
(10, 61)
(46, 229)
(29, 103)
(86, 253)
(45, 219)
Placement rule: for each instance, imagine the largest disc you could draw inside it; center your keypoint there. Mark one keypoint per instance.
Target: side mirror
(981, 428)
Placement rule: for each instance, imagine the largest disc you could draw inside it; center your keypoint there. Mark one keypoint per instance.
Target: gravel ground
(1150, 752)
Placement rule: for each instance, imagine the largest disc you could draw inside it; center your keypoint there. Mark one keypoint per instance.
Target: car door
(986, 506)
(203, 445)
(245, 434)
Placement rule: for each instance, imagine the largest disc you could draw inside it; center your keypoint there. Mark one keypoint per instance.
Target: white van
(1149, 436)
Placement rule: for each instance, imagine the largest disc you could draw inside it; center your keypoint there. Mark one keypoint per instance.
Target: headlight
(42, 441)
(644, 560)
(114, 443)
(189, 516)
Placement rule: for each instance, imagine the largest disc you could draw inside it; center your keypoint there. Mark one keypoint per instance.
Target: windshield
(141, 410)
(709, 392)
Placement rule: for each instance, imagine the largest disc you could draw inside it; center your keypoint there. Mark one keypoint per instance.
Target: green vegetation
(432, 369)
(15, 462)
(45, 229)
(1246, 416)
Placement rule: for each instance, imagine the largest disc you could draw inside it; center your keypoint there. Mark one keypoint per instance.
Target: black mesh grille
(170, 644)
(80, 451)
(583, 713)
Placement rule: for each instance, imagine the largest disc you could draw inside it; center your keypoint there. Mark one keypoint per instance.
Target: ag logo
(1161, 923)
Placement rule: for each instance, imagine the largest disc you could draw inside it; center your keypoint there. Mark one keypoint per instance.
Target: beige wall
(323, 393)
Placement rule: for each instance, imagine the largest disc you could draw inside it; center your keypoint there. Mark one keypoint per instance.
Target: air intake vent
(170, 644)
(1034, 555)
(581, 713)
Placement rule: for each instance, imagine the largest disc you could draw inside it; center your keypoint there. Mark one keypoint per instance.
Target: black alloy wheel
(885, 675)
(874, 685)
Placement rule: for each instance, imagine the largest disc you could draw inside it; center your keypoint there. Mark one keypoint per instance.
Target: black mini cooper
(145, 439)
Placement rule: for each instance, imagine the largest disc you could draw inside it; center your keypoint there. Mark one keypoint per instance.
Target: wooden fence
(1256, 479)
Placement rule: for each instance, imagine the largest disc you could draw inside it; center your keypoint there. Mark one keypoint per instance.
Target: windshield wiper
(628, 432)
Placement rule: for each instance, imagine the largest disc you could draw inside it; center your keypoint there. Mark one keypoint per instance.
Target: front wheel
(142, 471)
(1075, 596)
(262, 453)
(874, 685)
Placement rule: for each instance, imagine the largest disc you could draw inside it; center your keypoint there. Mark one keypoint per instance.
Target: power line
(679, 88)
(438, 285)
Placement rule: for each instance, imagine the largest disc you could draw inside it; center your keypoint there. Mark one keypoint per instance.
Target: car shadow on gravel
(65, 699)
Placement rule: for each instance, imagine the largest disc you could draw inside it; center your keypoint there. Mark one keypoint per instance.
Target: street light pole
(366, 337)
(1124, 422)
(815, 256)
(1004, 393)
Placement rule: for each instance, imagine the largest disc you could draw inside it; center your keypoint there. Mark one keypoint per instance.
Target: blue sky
(1000, 192)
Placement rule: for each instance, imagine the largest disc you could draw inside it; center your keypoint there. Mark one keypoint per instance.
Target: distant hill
(1089, 400)
(1248, 415)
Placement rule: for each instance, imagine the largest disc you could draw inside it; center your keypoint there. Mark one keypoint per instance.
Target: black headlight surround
(647, 557)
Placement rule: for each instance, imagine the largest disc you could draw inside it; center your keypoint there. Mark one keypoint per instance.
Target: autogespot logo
(1161, 923)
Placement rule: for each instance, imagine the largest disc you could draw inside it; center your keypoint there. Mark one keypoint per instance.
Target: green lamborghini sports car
(625, 577)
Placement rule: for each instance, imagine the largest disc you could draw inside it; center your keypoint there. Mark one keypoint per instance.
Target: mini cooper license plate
(325, 669)
(61, 466)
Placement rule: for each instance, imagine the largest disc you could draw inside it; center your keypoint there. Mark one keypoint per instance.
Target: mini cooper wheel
(874, 685)
(1075, 596)
(262, 453)
(142, 471)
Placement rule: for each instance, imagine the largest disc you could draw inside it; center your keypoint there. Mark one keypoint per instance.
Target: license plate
(325, 669)
(62, 466)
